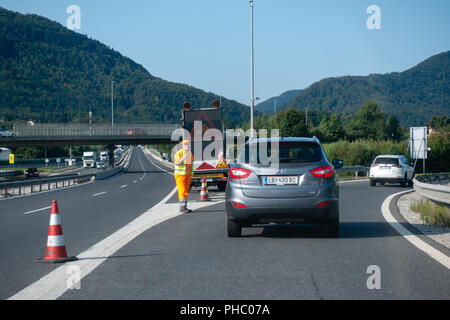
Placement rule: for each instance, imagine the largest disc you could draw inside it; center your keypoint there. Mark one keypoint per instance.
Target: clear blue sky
(206, 43)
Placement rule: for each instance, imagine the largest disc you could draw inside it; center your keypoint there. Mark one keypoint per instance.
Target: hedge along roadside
(363, 152)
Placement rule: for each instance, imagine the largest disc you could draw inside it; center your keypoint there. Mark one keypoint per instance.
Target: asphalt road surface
(190, 257)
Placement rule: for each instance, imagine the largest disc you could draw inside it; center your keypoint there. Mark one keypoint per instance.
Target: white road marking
(124, 186)
(99, 194)
(349, 181)
(55, 284)
(146, 155)
(37, 210)
(135, 181)
(416, 241)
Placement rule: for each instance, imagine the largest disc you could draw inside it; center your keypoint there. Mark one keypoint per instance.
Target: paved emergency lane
(190, 257)
(89, 213)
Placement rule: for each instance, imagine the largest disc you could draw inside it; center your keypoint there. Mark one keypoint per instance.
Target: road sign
(11, 158)
(222, 164)
(418, 142)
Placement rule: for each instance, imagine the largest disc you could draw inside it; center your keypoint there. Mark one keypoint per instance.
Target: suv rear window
(288, 152)
(386, 161)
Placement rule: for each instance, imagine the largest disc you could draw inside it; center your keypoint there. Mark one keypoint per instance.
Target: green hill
(52, 74)
(268, 106)
(413, 96)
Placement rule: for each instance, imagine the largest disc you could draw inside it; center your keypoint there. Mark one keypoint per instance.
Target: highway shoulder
(392, 215)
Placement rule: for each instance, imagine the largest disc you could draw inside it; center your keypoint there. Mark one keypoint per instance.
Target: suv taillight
(323, 172)
(239, 173)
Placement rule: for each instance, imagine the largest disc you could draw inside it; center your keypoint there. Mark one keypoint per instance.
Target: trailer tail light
(239, 173)
(323, 172)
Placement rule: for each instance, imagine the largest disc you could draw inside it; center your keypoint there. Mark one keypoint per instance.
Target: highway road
(133, 244)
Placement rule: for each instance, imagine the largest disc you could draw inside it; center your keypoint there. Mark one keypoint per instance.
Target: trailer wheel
(222, 186)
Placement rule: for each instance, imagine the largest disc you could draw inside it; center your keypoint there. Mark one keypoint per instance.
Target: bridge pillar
(111, 148)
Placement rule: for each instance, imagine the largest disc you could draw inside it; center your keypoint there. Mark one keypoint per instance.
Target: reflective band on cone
(204, 192)
(56, 247)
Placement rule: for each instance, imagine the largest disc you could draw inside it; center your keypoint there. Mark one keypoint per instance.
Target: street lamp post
(252, 84)
(90, 122)
(112, 104)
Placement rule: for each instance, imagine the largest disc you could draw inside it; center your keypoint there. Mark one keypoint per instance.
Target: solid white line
(349, 181)
(98, 194)
(28, 212)
(416, 241)
(56, 283)
(146, 155)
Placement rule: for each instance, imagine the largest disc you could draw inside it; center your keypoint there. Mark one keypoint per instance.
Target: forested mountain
(52, 74)
(413, 96)
(270, 104)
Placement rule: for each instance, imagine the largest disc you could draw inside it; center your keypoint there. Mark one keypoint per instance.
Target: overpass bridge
(71, 134)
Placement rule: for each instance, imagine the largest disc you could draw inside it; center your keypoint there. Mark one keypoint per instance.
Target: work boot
(185, 210)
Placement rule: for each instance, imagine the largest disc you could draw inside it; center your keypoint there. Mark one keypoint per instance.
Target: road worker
(183, 174)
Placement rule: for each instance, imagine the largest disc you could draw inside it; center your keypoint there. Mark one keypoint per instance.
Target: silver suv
(302, 189)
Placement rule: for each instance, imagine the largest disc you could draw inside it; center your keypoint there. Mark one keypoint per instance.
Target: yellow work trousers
(183, 184)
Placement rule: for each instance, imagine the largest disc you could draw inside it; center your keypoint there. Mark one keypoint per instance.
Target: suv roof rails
(316, 139)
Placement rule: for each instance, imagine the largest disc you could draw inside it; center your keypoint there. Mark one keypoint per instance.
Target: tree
(331, 128)
(291, 123)
(393, 130)
(439, 123)
(368, 123)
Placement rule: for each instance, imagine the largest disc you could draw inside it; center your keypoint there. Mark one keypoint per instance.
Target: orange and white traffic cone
(56, 247)
(204, 192)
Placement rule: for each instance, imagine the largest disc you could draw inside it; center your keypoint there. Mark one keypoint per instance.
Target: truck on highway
(89, 159)
(212, 166)
(103, 155)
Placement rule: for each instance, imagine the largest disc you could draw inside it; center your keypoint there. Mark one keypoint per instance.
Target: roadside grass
(433, 212)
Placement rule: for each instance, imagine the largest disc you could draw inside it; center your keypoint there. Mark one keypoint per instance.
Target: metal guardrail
(83, 130)
(435, 187)
(355, 169)
(18, 188)
(10, 173)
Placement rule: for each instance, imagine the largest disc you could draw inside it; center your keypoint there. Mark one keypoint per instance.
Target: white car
(101, 165)
(391, 169)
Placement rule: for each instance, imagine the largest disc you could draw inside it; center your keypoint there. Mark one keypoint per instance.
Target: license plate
(281, 181)
(385, 168)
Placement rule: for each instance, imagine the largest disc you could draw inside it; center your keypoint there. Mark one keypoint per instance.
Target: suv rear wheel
(332, 228)
(234, 229)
